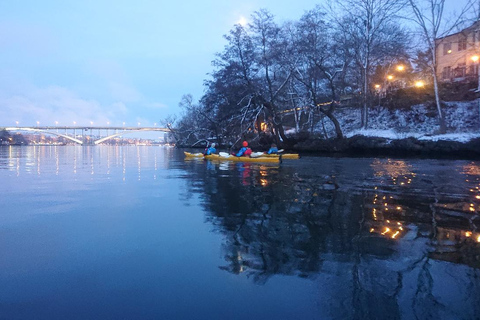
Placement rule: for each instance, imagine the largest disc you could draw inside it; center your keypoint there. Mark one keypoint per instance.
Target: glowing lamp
(419, 84)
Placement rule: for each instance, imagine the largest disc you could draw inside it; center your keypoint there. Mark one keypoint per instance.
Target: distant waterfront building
(458, 55)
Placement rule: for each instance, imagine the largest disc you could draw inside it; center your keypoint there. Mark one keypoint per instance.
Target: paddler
(273, 149)
(244, 151)
(210, 150)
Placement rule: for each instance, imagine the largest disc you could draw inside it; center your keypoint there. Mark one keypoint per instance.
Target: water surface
(128, 232)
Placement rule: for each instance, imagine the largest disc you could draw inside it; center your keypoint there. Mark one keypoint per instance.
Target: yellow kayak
(284, 155)
(241, 159)
(193, 155)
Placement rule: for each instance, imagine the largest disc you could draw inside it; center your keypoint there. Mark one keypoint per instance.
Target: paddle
(256, 154)
(224, 154)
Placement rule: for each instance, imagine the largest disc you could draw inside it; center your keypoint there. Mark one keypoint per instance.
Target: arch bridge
(84, 135)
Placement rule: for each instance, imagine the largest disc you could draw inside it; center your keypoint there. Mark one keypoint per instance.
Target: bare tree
(274, 74)
(429, 17)
(319, 62)
(370, 33)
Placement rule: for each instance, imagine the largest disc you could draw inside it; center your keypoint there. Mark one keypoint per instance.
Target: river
(139, 232)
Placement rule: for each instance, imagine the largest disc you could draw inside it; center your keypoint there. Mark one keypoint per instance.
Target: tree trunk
(338, 129)
(441, 118)
(365, 99)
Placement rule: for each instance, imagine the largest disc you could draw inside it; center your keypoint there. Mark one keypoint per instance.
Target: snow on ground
(393, 135)
(420, 122)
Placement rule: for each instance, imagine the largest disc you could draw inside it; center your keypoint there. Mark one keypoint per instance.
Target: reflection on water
(43, 159)
(377, 238)
(394, 237)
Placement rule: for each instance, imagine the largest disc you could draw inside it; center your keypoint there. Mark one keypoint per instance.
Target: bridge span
(84, 135)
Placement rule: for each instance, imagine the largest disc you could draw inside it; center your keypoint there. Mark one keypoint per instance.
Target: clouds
(54, 103)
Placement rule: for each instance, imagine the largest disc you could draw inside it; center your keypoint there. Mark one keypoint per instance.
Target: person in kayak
(210, 150)
(244, 151)
(273, 149)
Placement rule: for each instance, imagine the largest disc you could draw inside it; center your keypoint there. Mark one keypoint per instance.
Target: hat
(245, 144)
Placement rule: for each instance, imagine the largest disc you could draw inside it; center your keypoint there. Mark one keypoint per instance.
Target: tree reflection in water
(383, 236)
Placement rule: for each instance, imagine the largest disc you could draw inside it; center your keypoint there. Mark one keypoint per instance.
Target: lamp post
(476, 59)
(377, 89)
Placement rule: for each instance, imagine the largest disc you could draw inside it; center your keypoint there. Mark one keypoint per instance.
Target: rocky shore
(377, 146)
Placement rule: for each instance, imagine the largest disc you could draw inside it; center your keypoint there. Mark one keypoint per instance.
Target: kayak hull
(232, 158)
(242, 159)
(193, 155)
(289, 156)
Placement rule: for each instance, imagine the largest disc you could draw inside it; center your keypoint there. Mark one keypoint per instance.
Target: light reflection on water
(318, 238)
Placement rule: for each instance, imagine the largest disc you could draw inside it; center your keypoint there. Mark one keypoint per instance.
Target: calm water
(141, 233)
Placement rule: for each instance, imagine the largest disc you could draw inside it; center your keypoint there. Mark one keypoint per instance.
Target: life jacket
(248, 152)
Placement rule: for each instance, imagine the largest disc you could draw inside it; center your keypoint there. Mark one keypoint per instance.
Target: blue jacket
(211, 150)
(241, 151)
(272, 150)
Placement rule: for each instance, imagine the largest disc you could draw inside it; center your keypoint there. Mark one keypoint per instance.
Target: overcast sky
(113, 61)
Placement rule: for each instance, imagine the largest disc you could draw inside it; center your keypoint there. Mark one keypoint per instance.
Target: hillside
(404, 131)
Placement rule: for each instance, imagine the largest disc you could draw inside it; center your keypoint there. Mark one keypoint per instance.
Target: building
(458, 55)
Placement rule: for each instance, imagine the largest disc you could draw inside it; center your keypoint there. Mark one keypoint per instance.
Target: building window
(462, 44)
(447, 48)
(461, 70)
(446, 73)
(472, 70)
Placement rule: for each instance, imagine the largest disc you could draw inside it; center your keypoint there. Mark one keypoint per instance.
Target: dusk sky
(113, 61)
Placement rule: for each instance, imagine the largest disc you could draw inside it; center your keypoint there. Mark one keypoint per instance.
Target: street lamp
(377, 89)
(476, 59)
(400, 67)
(38, 123)
(16, 123)
(419, 84)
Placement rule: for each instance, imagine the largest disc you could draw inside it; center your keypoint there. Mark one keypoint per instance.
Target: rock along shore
(377, 146)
